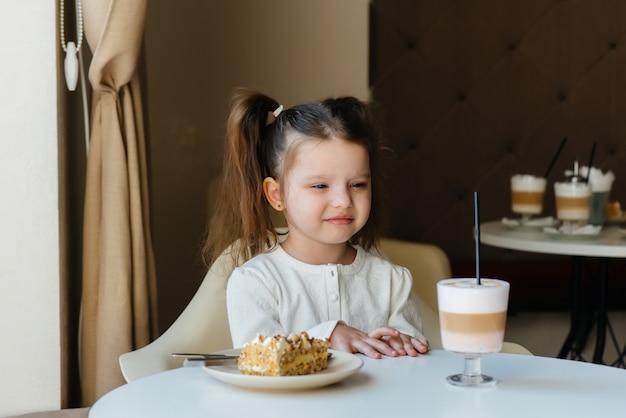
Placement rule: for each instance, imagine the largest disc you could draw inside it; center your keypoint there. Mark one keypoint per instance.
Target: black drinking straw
(556, 155)
(477, 237)
(593, 151)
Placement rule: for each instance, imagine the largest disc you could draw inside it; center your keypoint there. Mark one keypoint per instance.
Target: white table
(529, 386)
(610, 243)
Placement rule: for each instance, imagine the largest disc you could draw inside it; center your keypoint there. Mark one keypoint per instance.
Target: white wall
(29, 220)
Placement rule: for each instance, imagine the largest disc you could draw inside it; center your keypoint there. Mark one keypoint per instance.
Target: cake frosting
(279, 355)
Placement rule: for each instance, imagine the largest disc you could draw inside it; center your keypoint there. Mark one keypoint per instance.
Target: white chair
(428, 264)
(201, 328)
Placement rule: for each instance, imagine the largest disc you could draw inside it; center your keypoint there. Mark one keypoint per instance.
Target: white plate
(340, 366)
(589, 233)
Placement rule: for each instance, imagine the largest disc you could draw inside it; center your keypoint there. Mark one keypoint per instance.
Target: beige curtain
(119, 285)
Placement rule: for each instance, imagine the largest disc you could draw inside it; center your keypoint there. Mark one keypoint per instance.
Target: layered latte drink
(527, 194)
(472, 317)
(573, 201)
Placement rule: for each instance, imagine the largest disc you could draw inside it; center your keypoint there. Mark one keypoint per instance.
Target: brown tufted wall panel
(473, 91)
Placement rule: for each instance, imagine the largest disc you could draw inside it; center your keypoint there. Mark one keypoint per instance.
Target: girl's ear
(272, 193)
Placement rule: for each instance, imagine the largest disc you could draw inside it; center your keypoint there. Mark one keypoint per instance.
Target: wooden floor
(543, 333)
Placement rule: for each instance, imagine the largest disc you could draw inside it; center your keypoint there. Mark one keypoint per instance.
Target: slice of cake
(284, 356)
(613, 210)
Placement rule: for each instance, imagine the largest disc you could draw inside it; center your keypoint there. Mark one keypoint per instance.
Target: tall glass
(472, 320)
(573, 204)
(600, 190)
(527, 193)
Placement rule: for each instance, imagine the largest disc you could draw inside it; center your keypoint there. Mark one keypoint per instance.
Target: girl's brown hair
(256, 150)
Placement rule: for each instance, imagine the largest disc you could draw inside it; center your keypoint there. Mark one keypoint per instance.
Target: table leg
(572, 341)
(601, 313)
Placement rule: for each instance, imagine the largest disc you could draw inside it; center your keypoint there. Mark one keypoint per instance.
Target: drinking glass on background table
(599, 201)
(573, 203)
(601, 184)
(527, 193)
(472, 320)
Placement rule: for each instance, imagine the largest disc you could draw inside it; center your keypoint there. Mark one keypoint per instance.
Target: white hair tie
(277, 112)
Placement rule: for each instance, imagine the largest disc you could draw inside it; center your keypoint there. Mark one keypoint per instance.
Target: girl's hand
(382, 341)
(403, 344)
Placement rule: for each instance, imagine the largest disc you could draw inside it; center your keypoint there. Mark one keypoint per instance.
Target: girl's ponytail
(242, 212)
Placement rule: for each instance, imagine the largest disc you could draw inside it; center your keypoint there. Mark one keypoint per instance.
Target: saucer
(532, 223)
(586, 231)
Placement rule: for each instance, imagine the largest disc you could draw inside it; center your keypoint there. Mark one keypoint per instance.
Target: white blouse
(274, 293)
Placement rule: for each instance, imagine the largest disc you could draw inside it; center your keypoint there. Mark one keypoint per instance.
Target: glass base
(465, 380)
(471, 376)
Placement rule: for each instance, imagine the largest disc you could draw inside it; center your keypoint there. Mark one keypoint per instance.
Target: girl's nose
(342, 198)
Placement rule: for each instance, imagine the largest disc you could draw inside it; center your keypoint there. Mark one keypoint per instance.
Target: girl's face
(326, 195)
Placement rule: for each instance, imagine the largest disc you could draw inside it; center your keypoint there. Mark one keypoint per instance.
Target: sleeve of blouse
(323, 330)
(405, 315)
(252, 308)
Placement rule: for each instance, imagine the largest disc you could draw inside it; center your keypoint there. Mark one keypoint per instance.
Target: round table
(609, 243)
(529, 386)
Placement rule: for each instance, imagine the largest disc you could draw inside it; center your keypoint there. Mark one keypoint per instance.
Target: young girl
(317, 163)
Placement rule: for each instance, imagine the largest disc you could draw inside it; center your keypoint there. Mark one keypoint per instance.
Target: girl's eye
(359, 185)
(319, 186)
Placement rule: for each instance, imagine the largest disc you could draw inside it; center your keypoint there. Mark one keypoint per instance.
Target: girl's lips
(340, 220)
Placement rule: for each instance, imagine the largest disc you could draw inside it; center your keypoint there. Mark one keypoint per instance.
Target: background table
(608, 244)
(530, 386)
